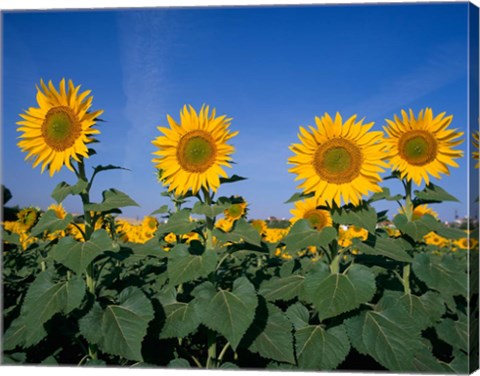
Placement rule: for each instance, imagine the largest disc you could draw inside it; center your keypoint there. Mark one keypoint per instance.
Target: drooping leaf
(281, 288)
(232, 179)
(333, 293)
(112, 199)
(454, 332)
(125, 324)
(302, 235)
(50, 222)
(384, 195)
(299, 196)
(231, 312)
(161, 210)
(434, 193)
(101, 168)
(184, 267)
(62, 190)
(78, 255)
(275, 340)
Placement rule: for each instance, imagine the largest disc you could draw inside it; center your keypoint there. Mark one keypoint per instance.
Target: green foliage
(387, 247)
(282, 288)
(179, 223)
(184, 267)
(230, 313)
(49, 222)
(433, 193)
(112, 199)
(78, 255)
(241, 232)
(363, 216)
(302, 235)
(62, 190)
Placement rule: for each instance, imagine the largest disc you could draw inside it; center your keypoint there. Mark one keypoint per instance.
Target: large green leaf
(179, 223)
(44, 298)
(363, 216)
(112, 199)
(333, 293)
(317, 348)
(125, 324)
(50, 222)
(62, 190)
(302, 235)
(181, 319)
(387, 247)
(418, 228)
(282, 288)
(184, 267)
(78, 255)
(389, 336)
(442, 273)
(90, 325)
(275, 340)
(384, 195)
(425, 310)
(231, 312)
(434, 193)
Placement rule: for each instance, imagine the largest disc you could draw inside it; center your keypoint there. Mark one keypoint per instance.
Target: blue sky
(270, 68)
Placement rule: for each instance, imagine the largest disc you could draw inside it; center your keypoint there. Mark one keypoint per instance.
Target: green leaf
(229, 365)
(179, 223)
(363, 216)
(112, 199)
(161, 210)
(454, 332)
(210, 211)
(384, 195)
(298, 315)
(275, 340)
(243, 231)
(434, 193)
(320, 349)
(389, 336)
(333, 294)
(44, 298)
(459, 365)
(90, 325)
(124, 325)
(100, 168)
(442, 273)
(50, 222)
(10, 238)
(181, 319)
(231, 312)
(302, 235)
(78, 255)
(387, 247)
(416, 229)
(232, 179)
(281, 288)
(62, 190)
(425, 362)
(179, 363)
(425, 310)
(184, 267)
(299, 196)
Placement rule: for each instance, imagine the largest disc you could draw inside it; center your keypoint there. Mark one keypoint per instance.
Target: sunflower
(338, 160)
(224, 224)
(59, 128)
(358, 232)
(307, 209)
(259, 225)
(27, 217)
(419, 211)
(475, 136)
(235, 211)
(422, 146)
(191, 154)
(59, 210)
(434, 239)
(466, 243)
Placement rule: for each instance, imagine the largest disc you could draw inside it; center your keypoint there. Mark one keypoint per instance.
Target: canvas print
(250, 187)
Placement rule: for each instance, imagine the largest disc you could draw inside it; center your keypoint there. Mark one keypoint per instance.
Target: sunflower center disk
(417, 147)
(60, 129)
(316, 218)
(196, 151)
(338, 161)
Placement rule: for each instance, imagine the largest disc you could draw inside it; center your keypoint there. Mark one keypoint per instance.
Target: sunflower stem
(406, 279)
(212, 349)
(408, 200)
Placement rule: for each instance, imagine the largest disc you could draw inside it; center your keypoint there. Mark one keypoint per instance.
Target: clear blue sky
(270, 68)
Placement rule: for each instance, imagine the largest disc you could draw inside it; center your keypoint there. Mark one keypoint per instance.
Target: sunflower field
(199, 284)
